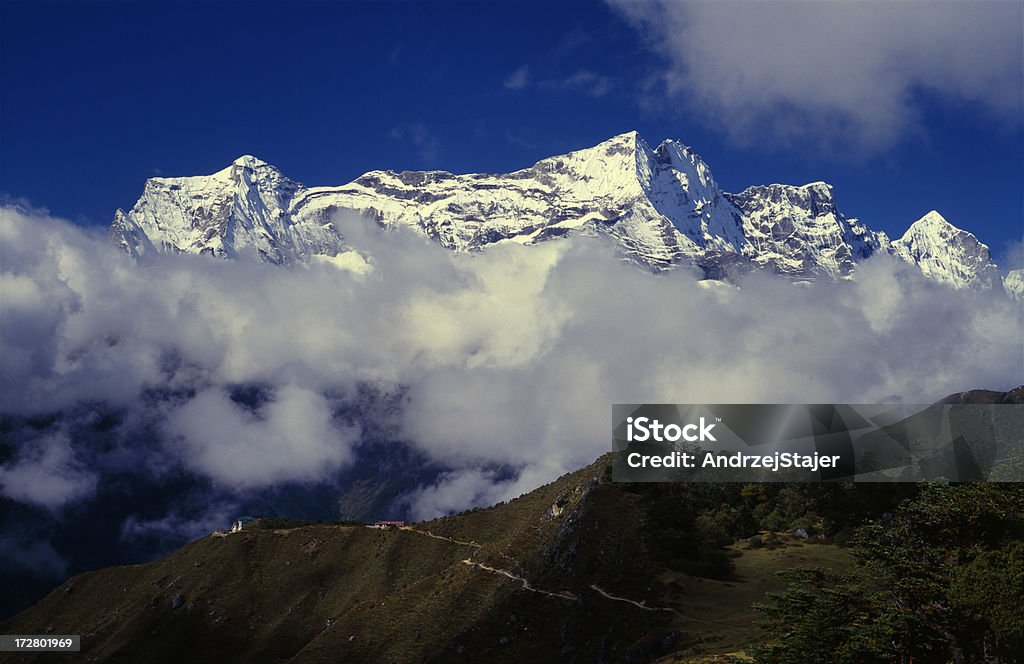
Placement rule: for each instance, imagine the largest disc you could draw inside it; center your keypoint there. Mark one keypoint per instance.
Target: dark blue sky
(98, 96)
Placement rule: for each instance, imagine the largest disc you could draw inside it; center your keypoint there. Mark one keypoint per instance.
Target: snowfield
(661, 207)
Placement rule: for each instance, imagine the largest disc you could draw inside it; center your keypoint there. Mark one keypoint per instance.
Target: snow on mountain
(946, 253)
(661, 206)
(1013, 283)
(800, 232)
(241, 210)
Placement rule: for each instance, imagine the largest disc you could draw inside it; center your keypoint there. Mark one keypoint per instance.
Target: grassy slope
(329, 593)
(718, 617)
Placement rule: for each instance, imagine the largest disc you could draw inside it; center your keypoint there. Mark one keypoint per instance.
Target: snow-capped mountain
(799, 230)
(244, 209)
(946, 253)
(661, 206)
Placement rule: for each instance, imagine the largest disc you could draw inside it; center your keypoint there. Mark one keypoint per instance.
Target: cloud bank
(841, 74)
(251, 375)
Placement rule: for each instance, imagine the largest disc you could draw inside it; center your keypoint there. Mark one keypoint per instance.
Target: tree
(826, 617)
(939, 582)
(989, 590)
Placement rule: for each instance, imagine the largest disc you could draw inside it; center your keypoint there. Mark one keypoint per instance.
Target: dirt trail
(427, 533)
(643, 605)
(565, 594)
(504, 572)
(639, 605)
(526, 584)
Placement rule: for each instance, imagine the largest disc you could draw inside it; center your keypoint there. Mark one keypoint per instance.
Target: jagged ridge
(661, 206)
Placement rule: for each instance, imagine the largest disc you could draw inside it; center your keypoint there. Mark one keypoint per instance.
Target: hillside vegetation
(569, 572)
(584, 570)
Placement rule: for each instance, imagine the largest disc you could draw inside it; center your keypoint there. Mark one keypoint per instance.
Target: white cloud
(518, 79)
(455, 491)
(46, 473)
(290, 439)
(840, 74)
(508, 358)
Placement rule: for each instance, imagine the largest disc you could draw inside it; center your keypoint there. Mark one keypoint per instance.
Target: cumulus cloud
(292, 438)
(506, 359)
(46, 473)
(836, 73)
(454, 491)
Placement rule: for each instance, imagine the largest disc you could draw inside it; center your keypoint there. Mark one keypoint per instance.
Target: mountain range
(660, 206)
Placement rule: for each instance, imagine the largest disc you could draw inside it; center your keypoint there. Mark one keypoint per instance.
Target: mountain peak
(630, 141)
(619, 168)
(820, 188)
(933, 218)
(821, 195)
(632, 136)
(662, 207)
(249, 161)
(947, 253)
(676, 154)
(934, 224)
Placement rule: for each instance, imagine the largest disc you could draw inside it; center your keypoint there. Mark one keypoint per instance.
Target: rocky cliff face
(661, 206)
(800, 231)
(243, 210)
